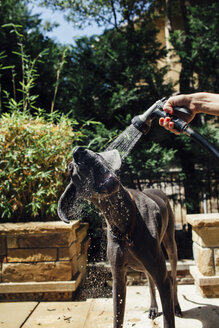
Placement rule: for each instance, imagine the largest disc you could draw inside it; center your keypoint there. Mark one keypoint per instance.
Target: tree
(22, 35)
(113, 13)
(204, 28)
(114, 76)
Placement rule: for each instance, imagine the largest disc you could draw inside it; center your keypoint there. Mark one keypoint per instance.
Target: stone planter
(42, 260)
(205, 236)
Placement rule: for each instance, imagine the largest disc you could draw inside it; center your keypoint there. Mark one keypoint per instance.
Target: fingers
(169, 105)
(168, 124)
(168, 108)
(179, 100)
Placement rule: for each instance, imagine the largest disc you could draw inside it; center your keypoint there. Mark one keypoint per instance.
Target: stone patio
(198, 312)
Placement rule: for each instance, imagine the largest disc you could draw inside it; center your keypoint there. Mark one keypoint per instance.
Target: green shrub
(34, 152)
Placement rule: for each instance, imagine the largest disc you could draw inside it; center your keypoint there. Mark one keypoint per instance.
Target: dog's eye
(70, 167)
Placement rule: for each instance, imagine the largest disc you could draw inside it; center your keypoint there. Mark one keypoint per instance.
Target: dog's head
(92, 177)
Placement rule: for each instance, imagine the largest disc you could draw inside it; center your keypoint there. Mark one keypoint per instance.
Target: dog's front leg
(116, 258)
(119, 297)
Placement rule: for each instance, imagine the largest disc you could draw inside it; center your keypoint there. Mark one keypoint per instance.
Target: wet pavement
(198, 312)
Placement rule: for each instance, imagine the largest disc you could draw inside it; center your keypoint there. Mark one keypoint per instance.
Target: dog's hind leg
(163, 281)
(170, 246)
(171, 249)
(153, 312)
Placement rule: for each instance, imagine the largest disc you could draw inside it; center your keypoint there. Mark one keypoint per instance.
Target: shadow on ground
(206, 313)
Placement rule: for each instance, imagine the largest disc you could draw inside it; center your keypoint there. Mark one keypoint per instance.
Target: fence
(203, 183)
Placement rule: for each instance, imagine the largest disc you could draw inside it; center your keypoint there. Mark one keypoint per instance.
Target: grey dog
(137, 223)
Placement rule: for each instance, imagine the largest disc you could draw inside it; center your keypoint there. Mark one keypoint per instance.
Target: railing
(204, 185)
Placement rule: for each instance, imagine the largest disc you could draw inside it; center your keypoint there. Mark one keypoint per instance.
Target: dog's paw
(153, 313)
(178, 311)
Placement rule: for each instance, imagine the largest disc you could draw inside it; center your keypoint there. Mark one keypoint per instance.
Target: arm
(201, 102)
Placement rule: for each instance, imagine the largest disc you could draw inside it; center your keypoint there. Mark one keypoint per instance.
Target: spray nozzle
(143, 126)
(142, 122)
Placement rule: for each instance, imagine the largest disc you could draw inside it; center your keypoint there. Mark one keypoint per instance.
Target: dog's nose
(77, 151)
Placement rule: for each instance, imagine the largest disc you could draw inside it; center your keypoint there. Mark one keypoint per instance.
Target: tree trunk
(186, 75)
(168, 28)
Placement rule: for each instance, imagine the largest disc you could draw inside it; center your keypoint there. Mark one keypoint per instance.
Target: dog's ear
(112, 157)
(66, 201)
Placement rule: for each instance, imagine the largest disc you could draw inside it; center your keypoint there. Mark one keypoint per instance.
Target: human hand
(177, 101)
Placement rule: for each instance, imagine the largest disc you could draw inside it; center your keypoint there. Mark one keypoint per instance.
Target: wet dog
(137, 223)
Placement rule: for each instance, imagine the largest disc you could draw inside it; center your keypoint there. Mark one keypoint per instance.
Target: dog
(137, 223)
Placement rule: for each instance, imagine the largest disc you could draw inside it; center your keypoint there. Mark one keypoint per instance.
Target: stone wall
(205, 236)
(42, 260)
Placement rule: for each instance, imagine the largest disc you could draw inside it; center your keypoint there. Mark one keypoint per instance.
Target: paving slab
(59, 315)
(13, 315)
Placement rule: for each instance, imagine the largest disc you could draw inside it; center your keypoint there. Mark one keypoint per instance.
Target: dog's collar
(127, 238)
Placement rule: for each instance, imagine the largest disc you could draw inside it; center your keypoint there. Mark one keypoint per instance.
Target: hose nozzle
(143, 122)
(181, 114)
(140, 125)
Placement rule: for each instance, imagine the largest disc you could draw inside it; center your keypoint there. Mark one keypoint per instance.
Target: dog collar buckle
(129, 242)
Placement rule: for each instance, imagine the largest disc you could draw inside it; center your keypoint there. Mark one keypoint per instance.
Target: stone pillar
(205, 236)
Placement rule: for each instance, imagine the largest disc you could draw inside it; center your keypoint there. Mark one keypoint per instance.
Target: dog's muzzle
(81, 156)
